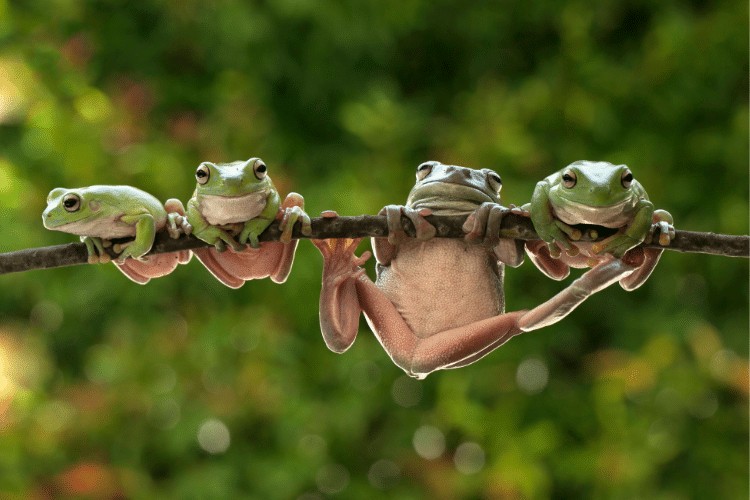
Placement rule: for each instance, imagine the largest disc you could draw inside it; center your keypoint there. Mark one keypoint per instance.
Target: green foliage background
(104, 384)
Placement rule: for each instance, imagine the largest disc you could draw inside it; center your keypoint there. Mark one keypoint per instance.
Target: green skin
(598, 197)
(222, 193)
(106, 212)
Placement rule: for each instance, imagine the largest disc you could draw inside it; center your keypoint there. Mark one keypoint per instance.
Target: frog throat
(218, 210)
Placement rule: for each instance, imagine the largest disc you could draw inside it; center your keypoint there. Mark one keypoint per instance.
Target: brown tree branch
(362, 226)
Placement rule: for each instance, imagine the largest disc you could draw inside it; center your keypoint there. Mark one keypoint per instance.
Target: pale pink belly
(442, 284)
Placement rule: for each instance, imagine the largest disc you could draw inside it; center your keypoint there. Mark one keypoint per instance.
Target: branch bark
(362, 226)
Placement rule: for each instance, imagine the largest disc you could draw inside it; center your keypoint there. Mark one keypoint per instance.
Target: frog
(602, 194)
(439, 303)
(101, 213)
(232, 205)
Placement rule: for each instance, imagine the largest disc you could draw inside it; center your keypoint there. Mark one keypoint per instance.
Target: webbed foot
(177, 222)
(293, 210)
(396, 234)
(95, 248)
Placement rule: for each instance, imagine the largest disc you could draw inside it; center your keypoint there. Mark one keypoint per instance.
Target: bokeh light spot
(332, 478)
(469, 458)
(213, 436)
(164, 413)
(429, 442)
(383, 474)
(532, 376)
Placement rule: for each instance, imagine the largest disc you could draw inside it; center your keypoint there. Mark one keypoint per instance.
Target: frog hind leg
(649, 260)
(538, 252)
(222, 265)
(662, 221)
(155, 266)
(596, 279)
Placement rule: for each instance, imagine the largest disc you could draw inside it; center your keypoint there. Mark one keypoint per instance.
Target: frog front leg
(95, 248)
(632, 235)
(539, 252)
(553, 231)
(145, 231)
(259, 223)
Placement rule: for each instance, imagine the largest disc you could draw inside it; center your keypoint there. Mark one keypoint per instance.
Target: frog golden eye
(424, 170)
(495, 182)
(71, 202)
(260, 170)
(569, 179)
(627, 179)
(202, 174)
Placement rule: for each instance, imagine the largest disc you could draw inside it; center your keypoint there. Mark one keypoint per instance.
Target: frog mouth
(447, 198)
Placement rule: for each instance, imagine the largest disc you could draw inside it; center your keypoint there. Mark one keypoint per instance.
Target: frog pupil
(70, 202)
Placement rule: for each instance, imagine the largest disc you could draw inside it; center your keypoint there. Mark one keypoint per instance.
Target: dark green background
(105, 384)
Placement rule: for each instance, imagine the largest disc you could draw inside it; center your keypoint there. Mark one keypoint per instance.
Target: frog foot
(127, 249)
(339, 261)
(292, 210)
(663, 223)
(220, 239)
(617, 245)
(396, 234)
(95, 248)
(557, 235)
(483, 224)
(523, 210)
(177, 222)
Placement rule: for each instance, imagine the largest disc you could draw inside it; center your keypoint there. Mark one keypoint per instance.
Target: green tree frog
(239, 200)
(438, 303)
(601, 194)
(99, 214)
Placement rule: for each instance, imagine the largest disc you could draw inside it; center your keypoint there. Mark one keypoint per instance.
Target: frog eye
(626, 179)
(569, 179)
(424, 170)
(71, 202)
(259, 169)
(202, 174)
(495, 182)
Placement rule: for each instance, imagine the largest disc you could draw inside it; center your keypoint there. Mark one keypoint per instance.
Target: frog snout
(456, 174)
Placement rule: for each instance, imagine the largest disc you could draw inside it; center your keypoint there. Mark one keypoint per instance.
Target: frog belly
(108, 228)
(442, 284)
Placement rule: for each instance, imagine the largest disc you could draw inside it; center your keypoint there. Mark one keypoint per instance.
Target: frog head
(449, 189)
(595, 193)
(232, 192)
(238, 178)
(69, 208)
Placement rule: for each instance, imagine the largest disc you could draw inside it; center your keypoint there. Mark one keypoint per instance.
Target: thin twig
(448, 226)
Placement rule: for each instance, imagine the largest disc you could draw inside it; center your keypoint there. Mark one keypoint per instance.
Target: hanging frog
(99, 214)
(602, 194)
(233, 203)
(438, 303)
